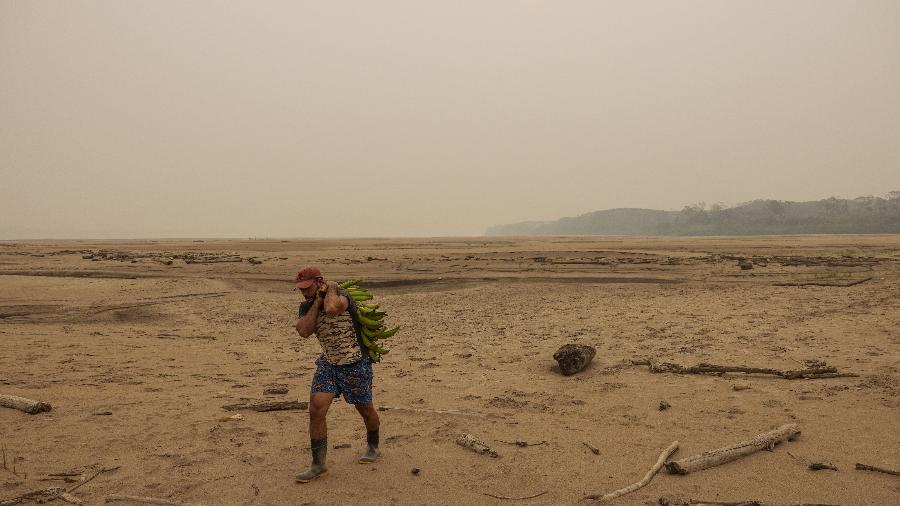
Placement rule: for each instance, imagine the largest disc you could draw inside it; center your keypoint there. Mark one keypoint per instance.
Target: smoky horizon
(284, 119)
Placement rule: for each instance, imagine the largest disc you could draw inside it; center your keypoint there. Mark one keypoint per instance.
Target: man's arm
(306, 324)
(335, 303)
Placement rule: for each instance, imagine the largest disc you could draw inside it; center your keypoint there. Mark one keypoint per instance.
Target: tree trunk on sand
(22, 404)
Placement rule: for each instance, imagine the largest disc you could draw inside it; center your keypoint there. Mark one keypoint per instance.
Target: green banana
(384, 334)
(371, 320)
(367, 322)
(370, 334)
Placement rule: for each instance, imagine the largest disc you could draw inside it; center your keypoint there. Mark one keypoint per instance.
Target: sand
(137, 345)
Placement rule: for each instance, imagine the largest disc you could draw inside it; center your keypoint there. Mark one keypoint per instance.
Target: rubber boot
(319, 448)
(372, 452)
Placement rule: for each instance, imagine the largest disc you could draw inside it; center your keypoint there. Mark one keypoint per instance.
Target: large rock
(574, 357)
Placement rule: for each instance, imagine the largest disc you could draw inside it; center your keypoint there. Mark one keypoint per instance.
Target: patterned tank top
(337, 334)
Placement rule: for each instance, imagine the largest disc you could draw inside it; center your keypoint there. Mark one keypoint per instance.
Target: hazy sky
(425, 118)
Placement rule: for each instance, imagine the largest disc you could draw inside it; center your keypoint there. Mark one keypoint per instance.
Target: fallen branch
(515, 498)
(592, 448)
(818, 466)
(145, 500)
(523, 444)
(864, 467)
(263, 406)
(814, 283)
(69, 498)
(22, 404)
(468, 441)
(35, 494)
(665, 501)
(645, 480)
(434, 411)
(101, 470)
(703, 368)
(722, 455)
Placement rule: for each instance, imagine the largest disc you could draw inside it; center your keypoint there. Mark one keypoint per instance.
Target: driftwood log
(22, 404)
(573, 358)
(714, 458)
(268, 406)
(645, 480)
(469, 441)
(703, 368)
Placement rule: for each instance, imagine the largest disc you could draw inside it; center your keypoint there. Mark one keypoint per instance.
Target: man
(344, 368)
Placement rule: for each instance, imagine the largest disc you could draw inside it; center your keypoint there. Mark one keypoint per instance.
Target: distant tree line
(862, 215)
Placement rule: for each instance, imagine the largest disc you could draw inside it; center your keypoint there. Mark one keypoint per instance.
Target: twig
(145, 500)
(818, 466)
(814, 283)
(523, 444)
(69, 498)
(864, 467)
(101, 470)
(514, 498)
(435, 411)
(645, 480)
(722, 455)
(591, 447)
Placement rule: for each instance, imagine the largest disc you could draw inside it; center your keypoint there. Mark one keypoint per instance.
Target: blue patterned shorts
(353, 381)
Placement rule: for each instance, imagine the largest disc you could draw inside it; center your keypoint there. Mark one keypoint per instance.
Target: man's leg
(370, 418)
(319, 402)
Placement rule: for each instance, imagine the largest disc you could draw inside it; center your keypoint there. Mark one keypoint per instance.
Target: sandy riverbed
(162, 334)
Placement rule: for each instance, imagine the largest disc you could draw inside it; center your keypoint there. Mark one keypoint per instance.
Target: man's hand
(322, 288)
(334, 303)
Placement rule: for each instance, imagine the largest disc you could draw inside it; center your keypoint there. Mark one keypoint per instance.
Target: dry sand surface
(137, 345)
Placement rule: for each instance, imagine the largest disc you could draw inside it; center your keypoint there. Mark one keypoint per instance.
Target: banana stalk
(371, 320)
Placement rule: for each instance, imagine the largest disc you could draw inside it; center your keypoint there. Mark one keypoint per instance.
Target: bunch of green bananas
(370, 318)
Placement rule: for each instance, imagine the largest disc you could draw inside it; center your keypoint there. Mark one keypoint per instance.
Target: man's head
(308, 280)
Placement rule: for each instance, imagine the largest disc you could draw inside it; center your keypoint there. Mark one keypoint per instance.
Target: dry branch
(696, 502)
(814, 283)
(99, 471)
(36, 494)
(145, 500)
(520, 443)
(645, 480)
(69, 498)
(435, 411)
(722, 455)
(22, 404)
(515, 498)
(592, 448)
(268, 406)
(703, 368)
(864, 467)
(468, 441)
